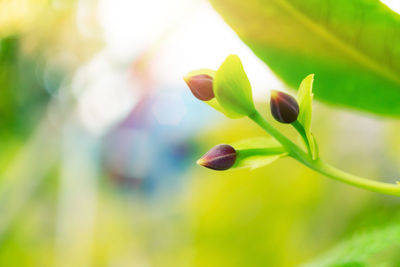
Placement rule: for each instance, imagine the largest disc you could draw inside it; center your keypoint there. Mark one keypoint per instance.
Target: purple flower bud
(220, 157)
(201, 86)
(284, 107)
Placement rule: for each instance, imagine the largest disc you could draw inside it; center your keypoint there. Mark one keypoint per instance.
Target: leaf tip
(309, 79)
(233, 56)
(232, 59)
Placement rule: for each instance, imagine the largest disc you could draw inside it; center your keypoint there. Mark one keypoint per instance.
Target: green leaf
(304, 98)
(353, 47)
(313, 146)
(367, 249)
(257, 152)
(232, 88)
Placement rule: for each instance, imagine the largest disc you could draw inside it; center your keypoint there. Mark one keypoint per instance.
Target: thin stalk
(260, 151)
(323, 167)
(372, 185)
(290, 147)
(300, 129)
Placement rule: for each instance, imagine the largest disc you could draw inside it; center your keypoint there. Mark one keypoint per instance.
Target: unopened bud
(201, 86)
(284, 107)
(220, 157)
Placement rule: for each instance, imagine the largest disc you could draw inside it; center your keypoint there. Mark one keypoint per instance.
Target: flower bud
(284, 107)
(201, 86)
(220, 157)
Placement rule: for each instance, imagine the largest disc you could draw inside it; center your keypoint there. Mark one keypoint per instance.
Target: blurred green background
(99, 138)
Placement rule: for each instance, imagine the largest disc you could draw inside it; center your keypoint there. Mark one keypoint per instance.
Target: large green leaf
(378, 247)
(353, 47)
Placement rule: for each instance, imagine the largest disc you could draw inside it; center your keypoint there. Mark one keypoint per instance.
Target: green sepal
(257, 152)
(232, 88)
(304, 99)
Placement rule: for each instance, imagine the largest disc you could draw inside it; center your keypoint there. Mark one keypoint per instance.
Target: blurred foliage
(38, 51)
(23, 97)
(377, 247)
(351, 46)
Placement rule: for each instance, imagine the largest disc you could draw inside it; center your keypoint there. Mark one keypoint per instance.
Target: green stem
(290, 147)
(322, 167)
(300, 129)
(260, 151)
(334, 173)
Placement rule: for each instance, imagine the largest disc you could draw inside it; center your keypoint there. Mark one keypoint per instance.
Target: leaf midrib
(359, 57)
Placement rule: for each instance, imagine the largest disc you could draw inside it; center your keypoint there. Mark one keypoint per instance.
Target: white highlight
(393, 5)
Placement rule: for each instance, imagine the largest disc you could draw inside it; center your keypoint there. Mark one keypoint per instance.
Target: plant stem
(300, 129)
(334, 173)
(322, 167)
(261, 151)
(290, 147)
